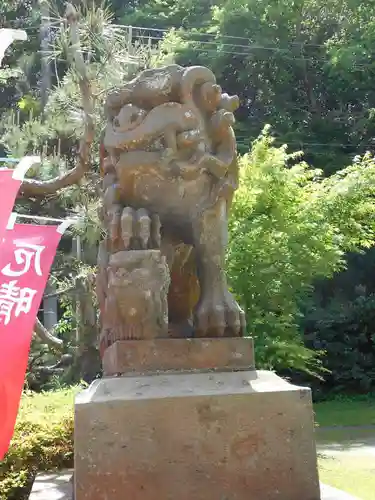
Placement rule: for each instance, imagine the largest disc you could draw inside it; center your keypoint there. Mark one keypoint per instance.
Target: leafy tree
(303, 67)
(290, 227)
(20, 14)
(165, 14)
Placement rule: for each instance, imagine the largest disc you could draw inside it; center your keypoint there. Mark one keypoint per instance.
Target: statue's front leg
(217, 313)
(138, 280)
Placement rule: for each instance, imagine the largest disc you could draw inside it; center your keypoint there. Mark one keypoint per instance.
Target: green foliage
(24, 64)
(289, 228)
(345, 331)
(304, 67)
(39, 443)
(168, 13)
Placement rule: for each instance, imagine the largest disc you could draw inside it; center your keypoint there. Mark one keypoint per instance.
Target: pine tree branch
(43, 188)
(45, 335)
(59, 292)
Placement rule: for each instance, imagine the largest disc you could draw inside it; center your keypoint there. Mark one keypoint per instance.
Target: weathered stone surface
(169, 167)
(136, 298)
(140, 356)
(229, 435)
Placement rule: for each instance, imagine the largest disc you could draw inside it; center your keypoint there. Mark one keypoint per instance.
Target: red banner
(10, 182)
(26, 256)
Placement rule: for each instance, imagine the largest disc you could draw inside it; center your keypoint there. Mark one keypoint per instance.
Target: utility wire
(196, 33)
(217, 47)
(219, 43)
(251, 49)
(55, 23)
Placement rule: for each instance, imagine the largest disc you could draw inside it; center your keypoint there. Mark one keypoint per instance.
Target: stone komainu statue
(169, 170)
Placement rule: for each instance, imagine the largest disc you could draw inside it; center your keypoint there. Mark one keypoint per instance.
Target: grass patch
(43, 440)
(346, 420)
(346, 412)
(352, 474)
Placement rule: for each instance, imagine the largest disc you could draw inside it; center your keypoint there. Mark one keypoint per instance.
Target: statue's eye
(133, 118)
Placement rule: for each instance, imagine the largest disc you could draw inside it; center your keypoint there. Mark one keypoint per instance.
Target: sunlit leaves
(288, 228)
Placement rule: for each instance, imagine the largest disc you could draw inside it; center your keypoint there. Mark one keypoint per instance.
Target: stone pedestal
(59, 487)
(229, 434)
(165, 355)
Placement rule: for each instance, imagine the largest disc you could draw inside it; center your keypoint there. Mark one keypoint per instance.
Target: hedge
(344, 331)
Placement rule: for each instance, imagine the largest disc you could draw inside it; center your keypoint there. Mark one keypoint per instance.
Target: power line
(57, 21)
(217, 47)
(246, 50)
(282, 52)
(252, 45)
(196, 33)
(239, 46)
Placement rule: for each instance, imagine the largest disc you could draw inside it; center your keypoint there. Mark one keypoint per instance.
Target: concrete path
(56, 486)
(329, 493)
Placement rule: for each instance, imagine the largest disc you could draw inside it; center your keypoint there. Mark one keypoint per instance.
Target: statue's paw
(139, 229)
(219, 317)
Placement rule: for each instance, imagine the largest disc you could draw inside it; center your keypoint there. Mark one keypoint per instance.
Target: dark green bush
(345, 331)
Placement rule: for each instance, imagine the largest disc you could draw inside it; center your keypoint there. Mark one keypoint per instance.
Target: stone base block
(59, 487)
(145, 356)
(198, 436)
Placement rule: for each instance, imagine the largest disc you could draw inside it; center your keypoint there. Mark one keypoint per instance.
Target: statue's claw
(219, 317)
(139, 229)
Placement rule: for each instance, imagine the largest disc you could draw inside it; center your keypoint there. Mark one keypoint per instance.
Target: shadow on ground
(347, 459)
(346, 440)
